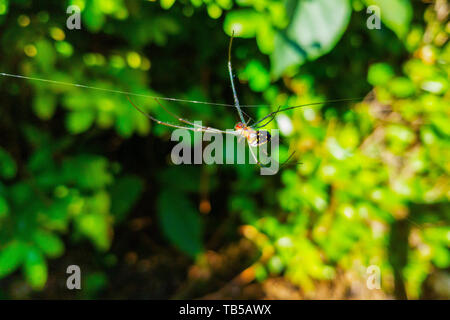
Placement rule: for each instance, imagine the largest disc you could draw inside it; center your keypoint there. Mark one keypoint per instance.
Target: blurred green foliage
(366, 168)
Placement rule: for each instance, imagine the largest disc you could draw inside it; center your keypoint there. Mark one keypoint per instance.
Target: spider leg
(179, 118)
(285, 162)
(205, 129)
(189, 122)
(259, 163)
(254, 156)
(200, 128)
(270, 115)
(230, 72)
(288, 158)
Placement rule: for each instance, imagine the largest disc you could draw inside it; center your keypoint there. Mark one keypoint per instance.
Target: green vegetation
(81, 171)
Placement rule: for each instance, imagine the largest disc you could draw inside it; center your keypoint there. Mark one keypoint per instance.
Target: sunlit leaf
(257, 75)
(79, 121)
(97, 228)
(314, 29)
(245, 23)
(35, 268)
(11, 256)
(401, 87)
(167, 4)
(395, 14)
(380, 74)
(44, 105)
(49, 243)
(87, 171)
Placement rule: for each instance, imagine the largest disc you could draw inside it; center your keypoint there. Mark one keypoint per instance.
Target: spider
(242, 129)
(254, 137)
(251, 133)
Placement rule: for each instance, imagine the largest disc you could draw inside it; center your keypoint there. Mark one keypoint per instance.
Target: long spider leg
(257, 161)
(230, 71)
(174, 115)
(177, 116)
(206, 129)
(285, 162)
(271, 115)
(288, 158)
(304, 105)
(174, 125)
(265, 124)
(181, 119)
(254, 156)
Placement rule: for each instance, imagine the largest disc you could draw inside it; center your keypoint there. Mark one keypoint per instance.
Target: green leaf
(257, 75)
(20, 193)
(441, 123)
(80, 121)
(64, 48)
(225, 4)
(180, 222)
(44, 105)
(97, 228)
(124, 194)
(245, 23)
(167, 4)
(4, 209)
(8, 167)
(78, 101)
(100, 203)
(93, 17)
(265, 37)
(379, 74)
(401, 87)
(35, 268)
(4, 5)
(214, 11)
(49, 243)
(441, 257)
(87, 171)
(314, 29)
(395, 14)
(41, 159)
(11, 256)
(125, 124)
(46, 56)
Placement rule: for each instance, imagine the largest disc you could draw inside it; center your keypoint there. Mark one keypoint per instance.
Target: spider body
(254, 137)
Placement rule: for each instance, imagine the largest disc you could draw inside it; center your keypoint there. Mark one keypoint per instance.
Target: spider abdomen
(254, 138)
(257, 138)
